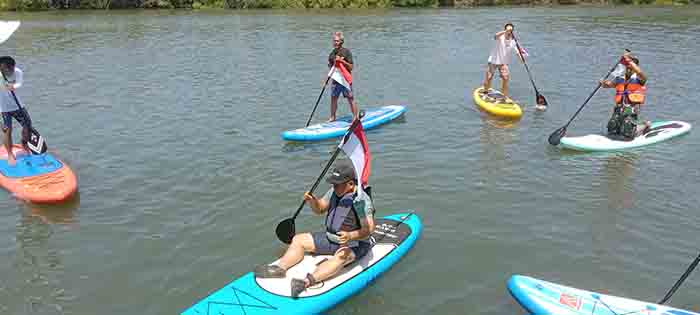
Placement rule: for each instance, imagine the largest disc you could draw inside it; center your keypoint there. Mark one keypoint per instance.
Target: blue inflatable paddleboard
(248, 295)
(545, 298)
(373, 117)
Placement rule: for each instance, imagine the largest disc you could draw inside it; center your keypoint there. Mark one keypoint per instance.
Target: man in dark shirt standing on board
(341, 58)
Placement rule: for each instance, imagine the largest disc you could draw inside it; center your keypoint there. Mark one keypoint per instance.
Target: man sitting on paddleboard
(349, 225)
(629, 97)
(499, 59)
(341, 57)
(12, 80)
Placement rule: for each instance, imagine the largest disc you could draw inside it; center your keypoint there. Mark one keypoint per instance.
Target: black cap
(341, 173)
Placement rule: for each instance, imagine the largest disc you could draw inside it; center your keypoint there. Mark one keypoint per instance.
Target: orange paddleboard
(37, 178)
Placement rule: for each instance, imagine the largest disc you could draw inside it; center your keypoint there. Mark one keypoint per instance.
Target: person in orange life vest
(499, 59)
(630, 92)
(344, 56)
(349, 226)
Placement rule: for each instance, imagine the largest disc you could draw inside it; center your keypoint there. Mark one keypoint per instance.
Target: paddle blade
(6, 29)
(285, 231)
(35, 142)
(541, 100)
(555, 137)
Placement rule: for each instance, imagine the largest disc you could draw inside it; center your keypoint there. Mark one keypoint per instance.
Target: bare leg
(334, 107)
(8, 146)
(504, 86)
(331, 267)
(301, 243)
(489, 77)
(353, 108)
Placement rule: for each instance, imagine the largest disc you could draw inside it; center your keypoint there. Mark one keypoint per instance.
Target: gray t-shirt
(343, 52)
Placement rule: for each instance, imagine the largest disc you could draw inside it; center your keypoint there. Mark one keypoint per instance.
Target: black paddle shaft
(330, 162)
(680, 281)
(317, 101)
(591, 96)
(525, 63)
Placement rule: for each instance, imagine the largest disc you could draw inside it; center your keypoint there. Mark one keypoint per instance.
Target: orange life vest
(630, 91)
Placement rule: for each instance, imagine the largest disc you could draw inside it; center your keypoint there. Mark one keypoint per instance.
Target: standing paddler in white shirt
(499, 59)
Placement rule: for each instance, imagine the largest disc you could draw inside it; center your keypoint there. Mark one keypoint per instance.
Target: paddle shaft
(525, 63)
(680, 281)
(319, 97)
(328, 165)
(12, 92)
(591, 96)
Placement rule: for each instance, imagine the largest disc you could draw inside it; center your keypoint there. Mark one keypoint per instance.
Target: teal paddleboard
(394, 235)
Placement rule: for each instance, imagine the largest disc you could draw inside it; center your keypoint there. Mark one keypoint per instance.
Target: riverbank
(39, 5)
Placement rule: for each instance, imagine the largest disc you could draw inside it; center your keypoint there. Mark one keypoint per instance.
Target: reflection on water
(618, 172)
(63, 213)
(39, 263)
(494, 135)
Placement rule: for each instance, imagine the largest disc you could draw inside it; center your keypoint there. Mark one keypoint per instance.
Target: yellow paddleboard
(494, 103)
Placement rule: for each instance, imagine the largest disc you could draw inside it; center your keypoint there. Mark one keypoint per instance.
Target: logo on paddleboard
(571, 301)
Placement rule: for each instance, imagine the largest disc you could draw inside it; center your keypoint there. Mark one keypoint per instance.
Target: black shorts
(325, 247)
(20, 115)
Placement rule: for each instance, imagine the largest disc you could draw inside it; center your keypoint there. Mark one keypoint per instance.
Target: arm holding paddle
(12, 86)
(347, 64)
(19, 80)
(628, 61)
(606, 84)
(318, 206)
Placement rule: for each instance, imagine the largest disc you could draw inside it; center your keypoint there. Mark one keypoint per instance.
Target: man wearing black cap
(349, 225)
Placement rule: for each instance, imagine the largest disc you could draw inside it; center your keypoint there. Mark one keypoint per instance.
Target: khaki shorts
(503, 69)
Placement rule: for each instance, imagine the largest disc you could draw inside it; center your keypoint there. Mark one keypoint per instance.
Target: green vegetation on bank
(29, 5)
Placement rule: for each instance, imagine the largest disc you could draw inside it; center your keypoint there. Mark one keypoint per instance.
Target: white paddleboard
(659, 131)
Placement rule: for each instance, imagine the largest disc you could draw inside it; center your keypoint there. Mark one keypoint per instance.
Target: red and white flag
(357, 149)
(341, 75)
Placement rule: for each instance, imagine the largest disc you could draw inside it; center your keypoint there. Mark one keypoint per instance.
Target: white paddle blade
(6, 29)
(36, 143)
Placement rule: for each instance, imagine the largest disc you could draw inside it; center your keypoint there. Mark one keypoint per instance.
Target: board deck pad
(29, 165)
(394, 236)
(493, 96)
